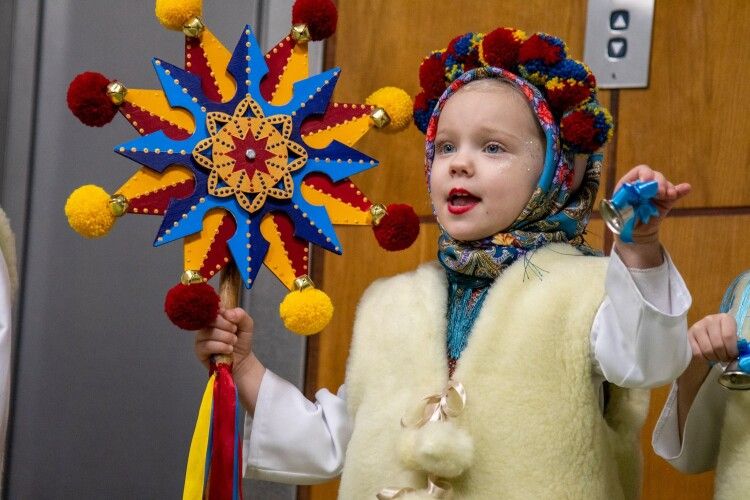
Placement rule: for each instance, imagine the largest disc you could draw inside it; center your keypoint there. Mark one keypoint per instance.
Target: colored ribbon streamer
(435, 488)
(222, 481)
(195, 472)
(214, 468)
(440, 407)
(637, 195)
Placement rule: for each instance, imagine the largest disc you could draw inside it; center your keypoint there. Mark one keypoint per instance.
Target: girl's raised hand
(664, 200)
(645, 251)
(714, 338)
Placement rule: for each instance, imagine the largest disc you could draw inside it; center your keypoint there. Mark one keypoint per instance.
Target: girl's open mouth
(461, 201)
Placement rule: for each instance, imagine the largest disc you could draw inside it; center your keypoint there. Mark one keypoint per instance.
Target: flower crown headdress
(568, 85)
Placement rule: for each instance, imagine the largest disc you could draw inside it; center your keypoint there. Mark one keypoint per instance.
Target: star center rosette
(247, 160)
(251, 157)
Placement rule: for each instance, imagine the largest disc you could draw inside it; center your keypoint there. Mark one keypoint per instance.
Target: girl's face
(489, 154)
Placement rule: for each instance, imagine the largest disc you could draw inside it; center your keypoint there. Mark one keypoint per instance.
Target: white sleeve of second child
(5, 361)
(639, 335)
(699, 448)
(293, 440)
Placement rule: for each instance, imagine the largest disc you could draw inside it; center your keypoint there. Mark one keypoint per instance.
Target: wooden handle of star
(230, 286)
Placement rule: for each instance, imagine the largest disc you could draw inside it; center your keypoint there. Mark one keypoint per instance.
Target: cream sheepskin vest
(732, 481)
(531, 427)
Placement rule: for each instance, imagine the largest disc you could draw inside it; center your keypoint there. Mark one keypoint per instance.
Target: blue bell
(630, 204)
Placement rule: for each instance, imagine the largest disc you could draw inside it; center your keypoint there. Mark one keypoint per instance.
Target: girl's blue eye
(493, 148)
(446, 148)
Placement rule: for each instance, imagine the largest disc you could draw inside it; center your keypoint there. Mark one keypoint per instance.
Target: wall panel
(691, 121)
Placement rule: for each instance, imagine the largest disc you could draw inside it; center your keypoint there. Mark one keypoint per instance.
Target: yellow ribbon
(435, 488)
(440, 407)
(196, 466)
(393, 492)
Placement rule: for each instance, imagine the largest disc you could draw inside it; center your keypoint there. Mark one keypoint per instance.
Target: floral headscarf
(553, 214)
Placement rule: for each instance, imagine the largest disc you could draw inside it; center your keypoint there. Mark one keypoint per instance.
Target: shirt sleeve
(5, 347)
(293, 440)
(639, 334)
(699, 448)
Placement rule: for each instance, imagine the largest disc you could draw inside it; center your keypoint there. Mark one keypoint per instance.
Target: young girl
(482, 374)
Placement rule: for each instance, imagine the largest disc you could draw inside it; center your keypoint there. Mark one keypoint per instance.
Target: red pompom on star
(320, 16)
(88, 100)
(398, 229)
(192, 307)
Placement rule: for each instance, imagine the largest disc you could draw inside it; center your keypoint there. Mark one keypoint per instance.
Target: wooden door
(688, 123)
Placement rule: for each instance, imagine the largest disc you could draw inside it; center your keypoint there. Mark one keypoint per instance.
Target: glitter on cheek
(503, 163)
(535, 152)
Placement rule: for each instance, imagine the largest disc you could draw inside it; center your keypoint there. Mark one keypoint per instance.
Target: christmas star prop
(246, 159)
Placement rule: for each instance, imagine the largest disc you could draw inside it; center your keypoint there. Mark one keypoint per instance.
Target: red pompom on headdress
(542, 47)
(432, 76)
(500, 48)
(320, 16)
(578, 126)
(566, 94)
(88, 99)
(586, 128)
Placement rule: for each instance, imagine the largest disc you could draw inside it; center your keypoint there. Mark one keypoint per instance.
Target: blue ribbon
(638, 195)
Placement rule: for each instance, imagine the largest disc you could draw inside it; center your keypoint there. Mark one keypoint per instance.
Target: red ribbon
(221, 475)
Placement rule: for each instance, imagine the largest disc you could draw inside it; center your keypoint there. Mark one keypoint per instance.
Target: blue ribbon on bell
(736, 302)
(744, 355)
(630, 204)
